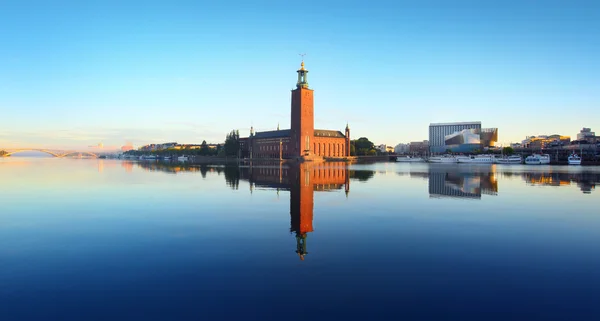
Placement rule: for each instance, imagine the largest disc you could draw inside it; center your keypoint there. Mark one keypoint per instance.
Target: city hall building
(302, 140)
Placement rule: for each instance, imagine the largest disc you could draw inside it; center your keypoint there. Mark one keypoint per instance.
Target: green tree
(372, 152)
(204, 149)
(362, 146)
(508, 150)
(232, 143)
(352, 149)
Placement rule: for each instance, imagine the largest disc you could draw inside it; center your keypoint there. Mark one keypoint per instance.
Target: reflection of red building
(128, 166)
(302, 181)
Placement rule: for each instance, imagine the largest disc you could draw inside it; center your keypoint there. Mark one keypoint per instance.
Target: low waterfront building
(383, 148)
(402, 148)
(420, 148)
(545, 141)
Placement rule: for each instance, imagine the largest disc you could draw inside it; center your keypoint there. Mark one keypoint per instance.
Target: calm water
(112, 240)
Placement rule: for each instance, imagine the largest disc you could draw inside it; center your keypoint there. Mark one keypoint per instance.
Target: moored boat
(574, 159)
(182, 158)
(476, 159)
(513, 159)
(442, 159)
(409, 159)
(537, 159)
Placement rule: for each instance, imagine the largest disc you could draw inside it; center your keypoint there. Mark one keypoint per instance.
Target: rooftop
(458, 123)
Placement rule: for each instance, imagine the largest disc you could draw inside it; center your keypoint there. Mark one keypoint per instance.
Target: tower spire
(302, 75)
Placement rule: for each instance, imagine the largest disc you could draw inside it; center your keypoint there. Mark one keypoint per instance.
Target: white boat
(182, 158)
(476, 159)
(150, 157)
(537, 159)
(409, 159)
(513, 159)
(166, 157)
(574, 159)
(442, 159)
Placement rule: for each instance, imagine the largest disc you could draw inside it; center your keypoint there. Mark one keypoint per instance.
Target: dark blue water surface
(112, 240)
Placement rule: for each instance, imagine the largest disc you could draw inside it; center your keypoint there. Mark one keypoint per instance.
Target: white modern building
(460, 137)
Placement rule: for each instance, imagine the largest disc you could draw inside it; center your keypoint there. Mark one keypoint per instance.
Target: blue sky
(76, 73)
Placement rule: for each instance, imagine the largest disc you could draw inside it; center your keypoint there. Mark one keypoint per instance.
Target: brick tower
(303, 119)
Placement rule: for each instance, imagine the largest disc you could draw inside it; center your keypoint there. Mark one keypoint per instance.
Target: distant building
(588, 135)
(420, 148)
(173, 145)
(383, 148)
(402, 148)
(545, 141)
(460, 137)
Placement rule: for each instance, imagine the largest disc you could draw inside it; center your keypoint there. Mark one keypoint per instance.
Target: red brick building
(302, 139)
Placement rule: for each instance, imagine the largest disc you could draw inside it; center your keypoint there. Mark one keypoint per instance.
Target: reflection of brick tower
(301, 206)
(303, 121)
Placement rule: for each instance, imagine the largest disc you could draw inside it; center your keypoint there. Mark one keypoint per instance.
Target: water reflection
(302, 180)
(459, 182)
(585, 181)
(444, 181)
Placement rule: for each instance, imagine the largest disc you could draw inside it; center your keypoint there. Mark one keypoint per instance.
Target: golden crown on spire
(302, 65)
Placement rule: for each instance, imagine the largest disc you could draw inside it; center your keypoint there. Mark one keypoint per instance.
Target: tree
(362, 146)
(352, 149)
(232, 143)
(508, 150)
(204, 148)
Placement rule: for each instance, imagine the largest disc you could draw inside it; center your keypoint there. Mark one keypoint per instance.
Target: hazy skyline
(73, 75)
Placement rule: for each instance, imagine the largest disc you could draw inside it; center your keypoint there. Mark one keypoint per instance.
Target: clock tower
(303, 120)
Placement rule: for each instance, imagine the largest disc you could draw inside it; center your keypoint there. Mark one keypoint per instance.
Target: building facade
(402, 148)
(302, 140)
(588, 135)
(460, 137)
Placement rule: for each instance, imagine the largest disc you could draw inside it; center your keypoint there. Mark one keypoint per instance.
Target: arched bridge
(53, 152)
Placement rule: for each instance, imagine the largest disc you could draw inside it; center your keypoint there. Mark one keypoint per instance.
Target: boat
(182, 158)
(537, 159)
(409, 159)
(442, 159)
(150, 157)
(166, 157)
(476, 159)
(513, 159)
(574, 159)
